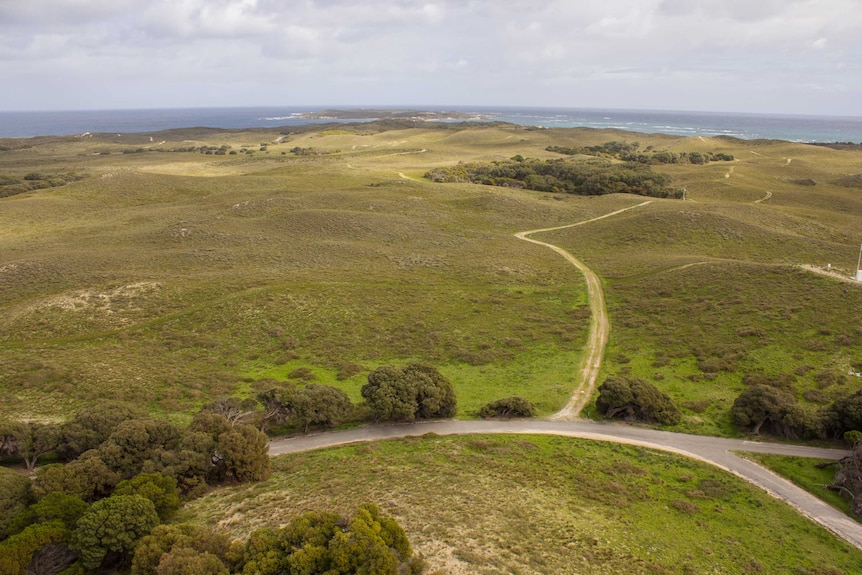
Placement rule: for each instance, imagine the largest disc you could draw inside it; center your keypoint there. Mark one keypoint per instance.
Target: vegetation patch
(584, 506)
(591, 178)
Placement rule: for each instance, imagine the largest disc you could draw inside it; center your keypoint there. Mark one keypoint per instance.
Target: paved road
(714, 450)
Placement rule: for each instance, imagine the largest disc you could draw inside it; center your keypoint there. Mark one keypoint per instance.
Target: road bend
(717, 451)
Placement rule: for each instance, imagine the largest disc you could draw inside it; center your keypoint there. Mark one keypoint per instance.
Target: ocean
(706, 124)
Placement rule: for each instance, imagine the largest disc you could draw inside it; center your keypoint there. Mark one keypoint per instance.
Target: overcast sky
(782, 56)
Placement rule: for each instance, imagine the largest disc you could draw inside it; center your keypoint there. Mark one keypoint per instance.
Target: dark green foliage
(320, 405)
(631, 153)
(160, 489)
(88, 477)
(170, 548)
(845, 414)
(107, 534)
(14, 497)
(276, 405)
(325, 543)
(591, 178)
(634, 399)
(242, 454)
(777, 410)
(416, 391)
(508, 407)
(783, 381)
(18, 552)
(28, 440)
(10, 185)
(136, 441)
(53, 507)
(94, 424)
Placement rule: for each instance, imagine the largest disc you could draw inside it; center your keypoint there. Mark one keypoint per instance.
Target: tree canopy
(634, 399)
(589, 178)
(416, 391)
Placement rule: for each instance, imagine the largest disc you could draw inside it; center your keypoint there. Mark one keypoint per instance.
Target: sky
(760, 56)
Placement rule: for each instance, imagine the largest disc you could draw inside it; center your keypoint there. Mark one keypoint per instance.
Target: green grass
(803, 473)
(539, 504)
(170, 278)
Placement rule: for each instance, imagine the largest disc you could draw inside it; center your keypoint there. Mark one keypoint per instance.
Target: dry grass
(541, 505)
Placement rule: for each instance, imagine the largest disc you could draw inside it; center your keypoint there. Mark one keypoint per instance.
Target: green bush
(508, 407)
(634, 399)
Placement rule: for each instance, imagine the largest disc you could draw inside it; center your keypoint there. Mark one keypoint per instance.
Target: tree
(18, 551)
(168, 539)
(636, 399)
(29, 440)
(53, 507)
(414, 391)
(94, 424)
(14, 497)
(160, 489)
(508, 407)
(186, 561)
(233, 409)
(135, 441)
(87, 477)
(320, 405)
(848, 479)
(276, 405)
(243, 452)
(845, 414)
(324, 543)
(107, 534)
(762, 405)
(389, 395)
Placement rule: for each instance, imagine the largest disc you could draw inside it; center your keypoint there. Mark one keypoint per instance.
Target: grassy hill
(170, 277)
(571, 506)
(172, 268)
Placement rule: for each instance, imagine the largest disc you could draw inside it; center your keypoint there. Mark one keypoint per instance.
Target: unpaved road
(715, 450)
(594, 350)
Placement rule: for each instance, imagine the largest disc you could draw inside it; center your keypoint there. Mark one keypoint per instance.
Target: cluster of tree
(304, 406)
(126, 473)
(508, 407)
(590, 178)
(415, 391)
(774, 410)
(634, 399)
(11, 185)
(630, 152)
(122, 532)
(299, 151)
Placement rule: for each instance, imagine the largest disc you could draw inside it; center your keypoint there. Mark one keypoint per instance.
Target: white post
(859, 266)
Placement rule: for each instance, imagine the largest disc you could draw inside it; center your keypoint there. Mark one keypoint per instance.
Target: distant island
(372, 114)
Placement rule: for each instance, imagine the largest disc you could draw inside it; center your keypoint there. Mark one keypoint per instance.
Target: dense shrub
(508, 407)
(766, 407)
(591, 178)
(634, 399)
(416, 391)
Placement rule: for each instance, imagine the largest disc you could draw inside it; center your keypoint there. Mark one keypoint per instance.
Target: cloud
(660, 53)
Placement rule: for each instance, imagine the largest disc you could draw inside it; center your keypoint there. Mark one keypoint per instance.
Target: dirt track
(594, 350)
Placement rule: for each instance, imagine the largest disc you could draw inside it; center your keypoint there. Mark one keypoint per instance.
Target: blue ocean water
(745, 126)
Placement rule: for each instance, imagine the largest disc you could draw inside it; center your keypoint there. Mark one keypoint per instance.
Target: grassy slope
(153, 283)
(570, 507)
(169, 278)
